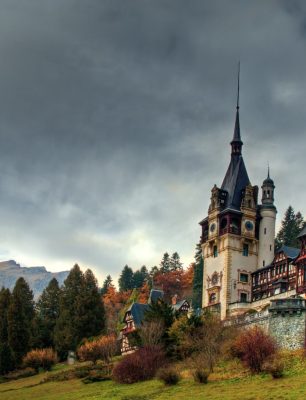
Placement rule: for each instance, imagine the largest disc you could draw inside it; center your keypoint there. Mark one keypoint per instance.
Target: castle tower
(229, 236)
(267, 212)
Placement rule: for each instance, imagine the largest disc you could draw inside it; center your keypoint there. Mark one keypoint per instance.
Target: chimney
(174, 299)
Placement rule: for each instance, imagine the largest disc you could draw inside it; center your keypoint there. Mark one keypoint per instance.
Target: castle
(241, 269)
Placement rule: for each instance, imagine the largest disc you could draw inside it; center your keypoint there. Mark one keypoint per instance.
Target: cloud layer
(116, 117)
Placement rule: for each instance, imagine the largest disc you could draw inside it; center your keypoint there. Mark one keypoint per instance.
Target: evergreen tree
(91, 320)
(106, 284)
(198, 278)
(140, 276)
(7, 362)
(175, 262)
(20, 319)
(18, 329)
(160, 311)
(47, 313)
(165, 264)
(66, 335)
(5, 299)
(291, 226)
(126, 279)
(81, 313)
(6, 354)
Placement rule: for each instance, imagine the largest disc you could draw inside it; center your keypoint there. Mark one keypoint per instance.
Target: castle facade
(241, 269)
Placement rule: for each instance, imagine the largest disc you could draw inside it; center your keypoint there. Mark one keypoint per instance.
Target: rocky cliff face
(37, 277)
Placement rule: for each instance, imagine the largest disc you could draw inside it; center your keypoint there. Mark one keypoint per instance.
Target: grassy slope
(228, 382)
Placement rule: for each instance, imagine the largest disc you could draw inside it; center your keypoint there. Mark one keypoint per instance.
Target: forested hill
(37, 277)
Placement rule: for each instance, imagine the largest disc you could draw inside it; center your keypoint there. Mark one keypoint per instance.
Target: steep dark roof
(137, 310)
(303, 233)
(291, 252)
(155, 295)
(236, 179)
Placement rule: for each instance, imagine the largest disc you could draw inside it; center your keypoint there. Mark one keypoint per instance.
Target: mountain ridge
(37, 276)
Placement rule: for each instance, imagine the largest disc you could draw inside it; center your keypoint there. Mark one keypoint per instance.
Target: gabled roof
(302, 233)
(235, 181)
(137, 311)
(291, 252)
(179, 304)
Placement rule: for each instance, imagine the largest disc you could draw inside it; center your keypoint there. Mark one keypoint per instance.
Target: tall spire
(236, 143)
(238, 86)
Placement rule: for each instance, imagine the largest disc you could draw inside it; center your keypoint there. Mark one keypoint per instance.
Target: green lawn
(228, 382)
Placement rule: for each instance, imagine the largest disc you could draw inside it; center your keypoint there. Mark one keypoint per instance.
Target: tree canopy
(291, 226)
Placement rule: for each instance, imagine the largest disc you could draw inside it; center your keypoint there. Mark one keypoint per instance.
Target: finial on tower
(238, 85)
(268, 171)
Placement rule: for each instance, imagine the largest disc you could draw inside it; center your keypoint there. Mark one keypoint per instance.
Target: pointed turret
(267, 222)
(236, 178)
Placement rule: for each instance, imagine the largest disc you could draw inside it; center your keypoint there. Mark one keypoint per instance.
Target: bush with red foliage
(253, 346)
(139, 366)
(40, 358)
(101, 348)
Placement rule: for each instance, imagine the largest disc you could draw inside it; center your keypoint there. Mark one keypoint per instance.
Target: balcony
(233, 230)
(239, 305)
(287, 305)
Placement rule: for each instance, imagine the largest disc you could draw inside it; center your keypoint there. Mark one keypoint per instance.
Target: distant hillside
(37, 277)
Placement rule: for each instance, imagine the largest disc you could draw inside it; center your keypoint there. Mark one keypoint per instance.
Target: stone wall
(285, 320)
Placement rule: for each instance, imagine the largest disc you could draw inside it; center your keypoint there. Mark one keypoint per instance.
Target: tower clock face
(249, 226)
(212, 227)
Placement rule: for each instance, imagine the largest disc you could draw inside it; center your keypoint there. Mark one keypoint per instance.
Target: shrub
(20, 373)
(40, 358)
(201, 375)
(139, 366)
(169, 375)
(275, 367)
(102, 348)
(253, 346)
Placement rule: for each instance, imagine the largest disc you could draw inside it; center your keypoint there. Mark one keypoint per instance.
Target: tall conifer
(47, 313)
(20, 319)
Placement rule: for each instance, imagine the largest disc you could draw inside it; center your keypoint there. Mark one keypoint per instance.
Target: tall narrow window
(243, 297)
(215, 251)
(245, 251)
(265, 231)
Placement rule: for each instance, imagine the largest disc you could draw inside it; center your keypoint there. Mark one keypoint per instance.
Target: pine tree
(198, 278)
(126, 279)
(5, 299)
(175, 262)
(91, 320)
(6, 355)
(140, 276)
(81, 313)
(106, 284)
(165, 264)
(18, 329)
(47, 313)
(20, 319)
(66, 335)
(291, 226)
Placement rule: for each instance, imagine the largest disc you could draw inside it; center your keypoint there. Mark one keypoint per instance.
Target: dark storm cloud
(116, 118)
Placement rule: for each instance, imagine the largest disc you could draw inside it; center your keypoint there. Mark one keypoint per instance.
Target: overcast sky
(116, 118)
